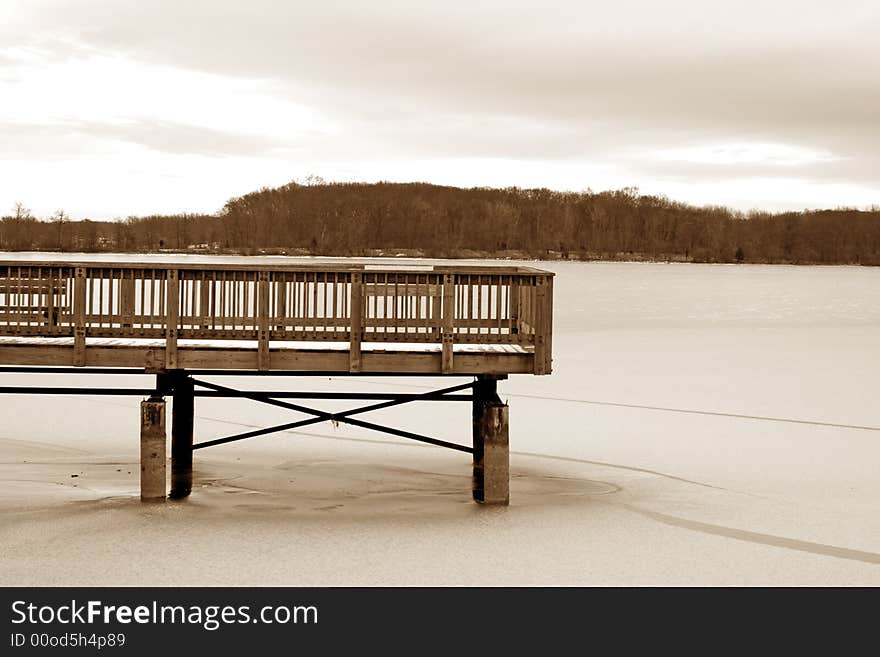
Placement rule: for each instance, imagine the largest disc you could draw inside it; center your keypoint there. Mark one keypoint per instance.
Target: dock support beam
(153, 449)
(491, 483)
(182, 436)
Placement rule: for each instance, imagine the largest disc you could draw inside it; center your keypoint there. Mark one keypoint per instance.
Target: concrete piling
(182, 437)
(491, 474)
(153, 441)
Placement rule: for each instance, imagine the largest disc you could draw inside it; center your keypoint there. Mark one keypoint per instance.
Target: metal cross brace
(323, 416)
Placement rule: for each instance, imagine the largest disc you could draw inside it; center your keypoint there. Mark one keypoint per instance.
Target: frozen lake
(704, 424)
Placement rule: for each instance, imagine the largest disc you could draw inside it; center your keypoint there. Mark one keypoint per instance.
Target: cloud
(112, 97)
(170, 137)
(574, 87)
(71, 138)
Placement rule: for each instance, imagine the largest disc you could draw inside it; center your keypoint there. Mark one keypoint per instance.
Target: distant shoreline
(431, 221)
(457, 254)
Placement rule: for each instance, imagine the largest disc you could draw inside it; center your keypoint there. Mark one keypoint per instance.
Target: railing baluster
(223, 312)
(294, 296)
(18, 301)
(314, 310)
(152, 305)
(323, 303)
(237, 299)
(498, 290)
(480, 303)
(52, 319)
(140, 308)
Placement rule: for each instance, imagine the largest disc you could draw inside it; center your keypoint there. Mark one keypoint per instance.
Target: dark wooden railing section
(357, 304)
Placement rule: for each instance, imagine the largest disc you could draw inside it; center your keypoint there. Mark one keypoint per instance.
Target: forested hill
(431, 220)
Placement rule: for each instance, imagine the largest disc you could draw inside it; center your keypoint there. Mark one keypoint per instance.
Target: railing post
(280, 301)
(435, 291)
(126, 298)
(356, 328)
(263, 321)
(541, 325)
(205, 287)
(548, 325)
(53, 300)
(446, 334)
(513, 300)
(153, 449)
(79, 317)
(172, 318)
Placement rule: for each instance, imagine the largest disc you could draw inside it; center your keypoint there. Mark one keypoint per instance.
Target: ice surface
(704, 425)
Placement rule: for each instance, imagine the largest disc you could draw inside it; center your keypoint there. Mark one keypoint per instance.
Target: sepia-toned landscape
(639, 242)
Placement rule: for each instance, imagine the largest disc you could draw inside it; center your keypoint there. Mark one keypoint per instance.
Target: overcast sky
(116, 107)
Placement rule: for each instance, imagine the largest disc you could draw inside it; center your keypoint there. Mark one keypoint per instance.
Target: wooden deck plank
(283, 359)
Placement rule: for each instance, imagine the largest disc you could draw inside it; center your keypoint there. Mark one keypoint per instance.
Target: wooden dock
(176, 319)
(352, 318)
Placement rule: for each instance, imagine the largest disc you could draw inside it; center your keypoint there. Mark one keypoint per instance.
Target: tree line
(357, 219)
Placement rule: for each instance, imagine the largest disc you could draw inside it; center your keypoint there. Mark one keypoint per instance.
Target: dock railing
(357, 304)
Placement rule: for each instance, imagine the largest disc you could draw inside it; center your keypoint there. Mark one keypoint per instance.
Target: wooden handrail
(328, 266)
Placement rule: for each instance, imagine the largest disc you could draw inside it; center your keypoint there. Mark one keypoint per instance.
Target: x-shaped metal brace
(324, 416)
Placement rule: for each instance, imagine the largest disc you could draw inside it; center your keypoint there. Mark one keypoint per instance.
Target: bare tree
(60, 218)
(22, 212)
(18, 234)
